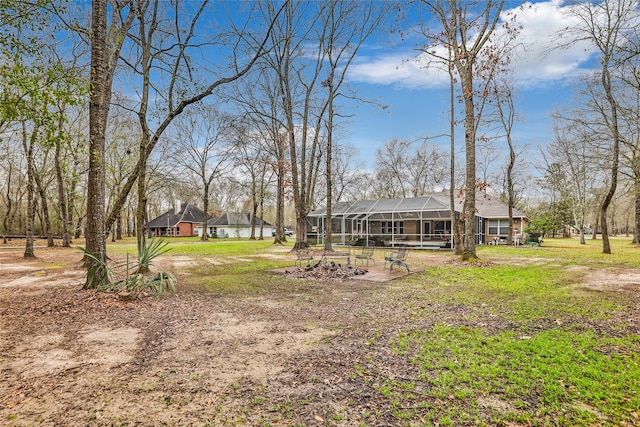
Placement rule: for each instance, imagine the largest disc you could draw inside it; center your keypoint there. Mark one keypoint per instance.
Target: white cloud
(536, 61)
(400, 69)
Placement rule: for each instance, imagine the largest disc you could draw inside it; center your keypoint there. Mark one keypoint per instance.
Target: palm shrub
(150, 250)
(127, 280)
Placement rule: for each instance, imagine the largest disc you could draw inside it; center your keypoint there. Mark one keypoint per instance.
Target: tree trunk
(62, 198)
(119, 227)
(456, 226)
(254, 214)
(45, 210)
(9, 204)
(141, 236)
(606, 245)
(205, 208)
(261, 210)
(101, 78)
(27, 144)
(328, 221)
(510, 189)
(636, 230)
(281, 170)
(469, 209)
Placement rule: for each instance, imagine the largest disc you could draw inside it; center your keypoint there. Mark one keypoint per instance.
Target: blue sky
(418, 98)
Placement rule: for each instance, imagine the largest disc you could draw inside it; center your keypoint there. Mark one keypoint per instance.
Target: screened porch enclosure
(419, 222)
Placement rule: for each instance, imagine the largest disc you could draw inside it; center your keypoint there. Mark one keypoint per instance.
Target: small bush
(131, 282)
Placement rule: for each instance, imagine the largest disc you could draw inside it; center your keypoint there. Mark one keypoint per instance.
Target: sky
(418, 98)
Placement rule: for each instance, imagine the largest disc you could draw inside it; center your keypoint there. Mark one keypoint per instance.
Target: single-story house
(236, 225)
(183, 223)
(495, 220)
(417, 221)
(188, 222)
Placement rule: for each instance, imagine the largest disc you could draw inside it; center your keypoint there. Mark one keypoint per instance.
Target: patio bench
(303, 255)
(326, 255)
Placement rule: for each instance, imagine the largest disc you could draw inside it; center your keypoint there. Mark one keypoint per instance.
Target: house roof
(432, 206)
(491, 207)
(243, 219)
(188, 213)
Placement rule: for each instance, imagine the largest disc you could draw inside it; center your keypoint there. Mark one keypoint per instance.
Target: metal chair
(397, 257)
(368, 248)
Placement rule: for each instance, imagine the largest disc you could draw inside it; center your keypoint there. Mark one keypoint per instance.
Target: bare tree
(346, 25)
(345, 173)
(203, 149)
(297, 63)
(404, 170)
(251, 154)
(629, 106)
(315, 43)
(123, 135)
(466, 28)
(390, 168)
(12, 182)
(607, 27)
(165, 42)
(257, 101)
(570, 148)
(506, 115)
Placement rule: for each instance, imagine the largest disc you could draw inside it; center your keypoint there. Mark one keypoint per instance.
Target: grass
(530, 346)
(554, 377)
(194, 246)
(222, 266)
(514, 341)
(570, 252)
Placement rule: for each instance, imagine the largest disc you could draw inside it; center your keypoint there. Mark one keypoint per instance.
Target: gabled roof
(379, 207)
(432, 206)
(189, 213)
(237, 219)
(491, 207)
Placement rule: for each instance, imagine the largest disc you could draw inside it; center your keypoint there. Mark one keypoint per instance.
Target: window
(498, 227)
(392, 227)
(442, 227)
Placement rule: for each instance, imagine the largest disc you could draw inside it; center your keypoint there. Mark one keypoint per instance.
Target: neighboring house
(236, 225)
(185, 223)
(418, 221)
(188, 222)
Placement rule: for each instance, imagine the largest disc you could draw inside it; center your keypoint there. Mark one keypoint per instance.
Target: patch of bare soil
(285, 357)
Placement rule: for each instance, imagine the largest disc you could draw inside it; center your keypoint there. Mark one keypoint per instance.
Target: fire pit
(325, 271)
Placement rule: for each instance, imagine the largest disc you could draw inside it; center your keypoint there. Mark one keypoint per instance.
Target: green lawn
(516, 339)
(528, 344)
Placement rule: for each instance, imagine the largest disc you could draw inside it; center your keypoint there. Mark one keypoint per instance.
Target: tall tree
(466, 29)
(347, 24)
(606, 26)
(503, 92)
(203, 149)
(571, 149)
(253, 157)
(105, 50)
(298, 63)
(630, 150)
(166, 43)
(261, 118)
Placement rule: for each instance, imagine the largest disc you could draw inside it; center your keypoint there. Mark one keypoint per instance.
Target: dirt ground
(70, 357)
